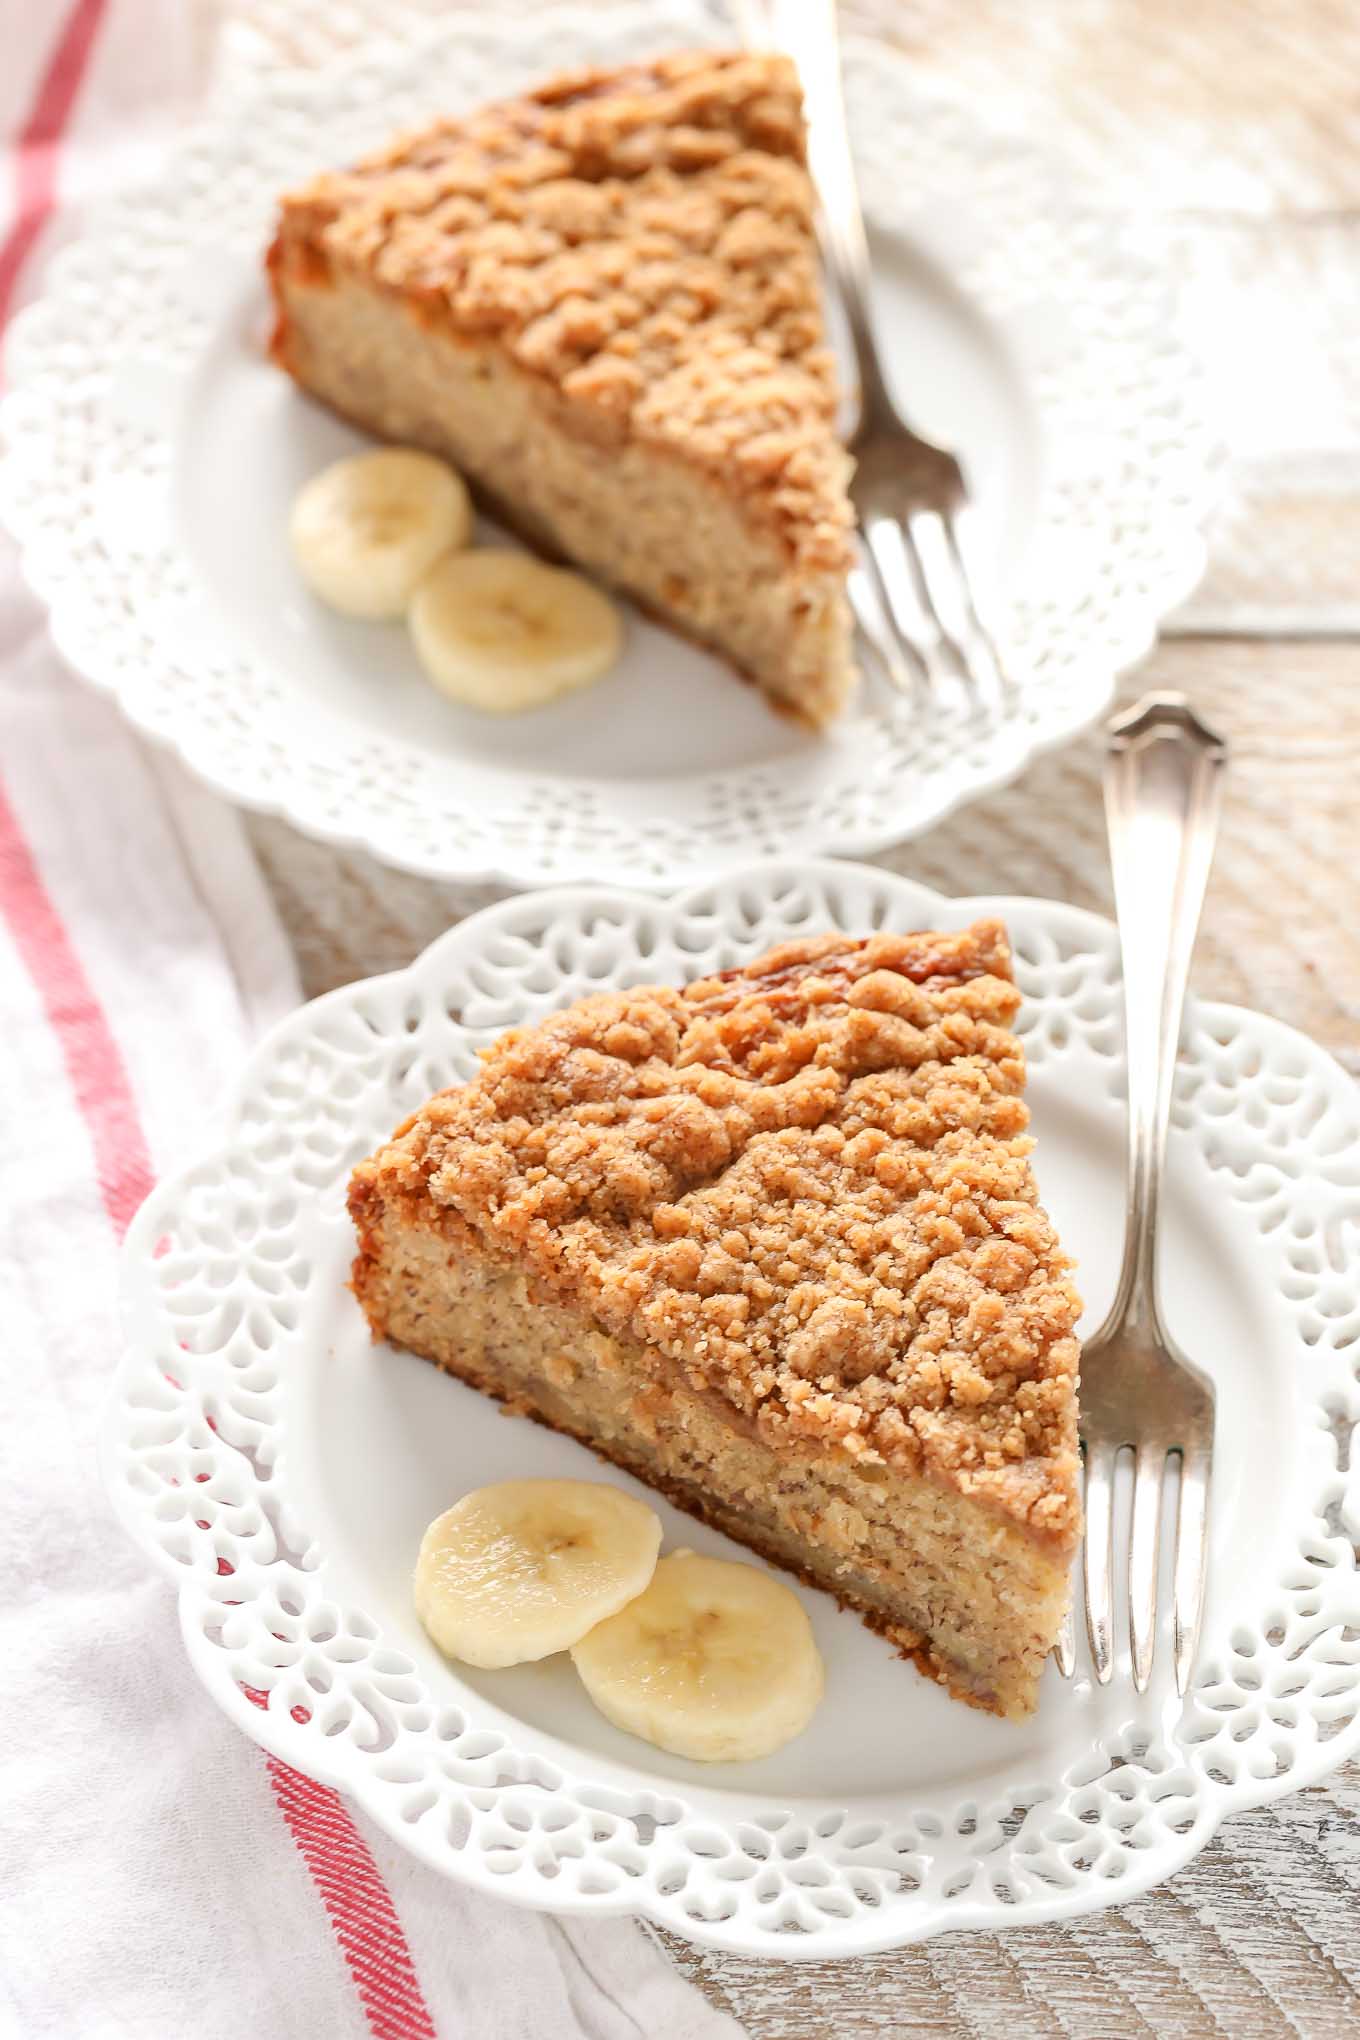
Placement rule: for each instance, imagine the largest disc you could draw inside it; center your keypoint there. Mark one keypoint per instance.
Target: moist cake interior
(773, 1244)
(601, 301)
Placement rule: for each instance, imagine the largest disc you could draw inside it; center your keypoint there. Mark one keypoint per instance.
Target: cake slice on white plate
(773, 1244)
(601, 302)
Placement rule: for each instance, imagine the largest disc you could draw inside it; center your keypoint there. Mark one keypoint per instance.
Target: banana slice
(516, 1571)
(498, 630)
(714, 1661)
(366, 531)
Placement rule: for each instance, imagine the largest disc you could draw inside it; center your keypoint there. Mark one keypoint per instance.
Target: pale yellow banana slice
(519, 1570)
(714, 1661)
(498, 630)
(366, 531)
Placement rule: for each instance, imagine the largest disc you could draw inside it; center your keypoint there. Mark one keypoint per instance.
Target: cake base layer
(970, 1597)
(642, 521)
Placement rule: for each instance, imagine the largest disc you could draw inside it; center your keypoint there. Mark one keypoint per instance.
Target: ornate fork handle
(1162, 790)
(915, 597)
(806, 31)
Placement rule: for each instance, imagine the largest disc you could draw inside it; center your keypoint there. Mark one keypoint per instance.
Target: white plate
(152, 454)
(281, 1469)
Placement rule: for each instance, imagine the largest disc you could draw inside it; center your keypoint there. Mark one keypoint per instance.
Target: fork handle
(1163, 781)
(805, 30)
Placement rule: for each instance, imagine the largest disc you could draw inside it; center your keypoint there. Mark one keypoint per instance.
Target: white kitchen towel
(160, 1876)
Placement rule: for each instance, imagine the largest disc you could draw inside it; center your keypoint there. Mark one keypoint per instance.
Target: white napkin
(161, 1877)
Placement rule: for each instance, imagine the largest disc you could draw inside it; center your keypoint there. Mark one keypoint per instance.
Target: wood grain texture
(1231, 128)
(1254, 1939)
(1279, 932)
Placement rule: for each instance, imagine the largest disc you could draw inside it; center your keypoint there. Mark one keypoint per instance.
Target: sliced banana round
(516, 1571)
(366, 531)
(498, 630)
(715, 1661)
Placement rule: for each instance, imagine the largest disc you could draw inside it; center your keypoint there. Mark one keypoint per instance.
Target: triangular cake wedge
(601, 302)
(773, 1244)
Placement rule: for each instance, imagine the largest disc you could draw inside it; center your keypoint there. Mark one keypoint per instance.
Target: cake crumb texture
(805, 1181)
(641, 241)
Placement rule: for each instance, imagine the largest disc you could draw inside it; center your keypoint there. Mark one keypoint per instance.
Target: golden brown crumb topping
(806, 1181)
(640, 239)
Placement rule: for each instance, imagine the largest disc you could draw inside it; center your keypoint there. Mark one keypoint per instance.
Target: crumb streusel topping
(807, 1182)
(640, 239)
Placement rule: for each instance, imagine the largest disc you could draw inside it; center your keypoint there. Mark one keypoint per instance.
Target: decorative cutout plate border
(197, 1457)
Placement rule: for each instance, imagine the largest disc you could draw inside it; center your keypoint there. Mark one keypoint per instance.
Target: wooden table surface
(1232, 127)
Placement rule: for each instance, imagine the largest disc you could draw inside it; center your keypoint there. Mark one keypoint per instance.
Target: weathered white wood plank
(1279, 928)
(1256, 1940)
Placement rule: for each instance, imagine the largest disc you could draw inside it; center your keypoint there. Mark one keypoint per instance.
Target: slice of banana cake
(601, 302)
(773, 1244)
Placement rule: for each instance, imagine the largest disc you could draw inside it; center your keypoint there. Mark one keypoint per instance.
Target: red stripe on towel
(360, 1907)
(37, 150)
(357, 1901)
(94, 1062)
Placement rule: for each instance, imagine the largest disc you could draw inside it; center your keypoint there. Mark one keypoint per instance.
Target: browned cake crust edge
(388, 1272)
(909, 1644)
(808, 1181)
(566, 226)
(858, 1027)
(513, 519)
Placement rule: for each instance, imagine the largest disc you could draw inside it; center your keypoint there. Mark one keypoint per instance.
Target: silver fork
(914, 597)
(1139, 1391)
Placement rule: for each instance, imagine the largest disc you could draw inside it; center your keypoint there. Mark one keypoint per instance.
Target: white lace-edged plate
(151, 454)
(280, 1468)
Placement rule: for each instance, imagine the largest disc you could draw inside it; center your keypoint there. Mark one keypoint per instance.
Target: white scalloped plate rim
(742, 914)
(1126, 382)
